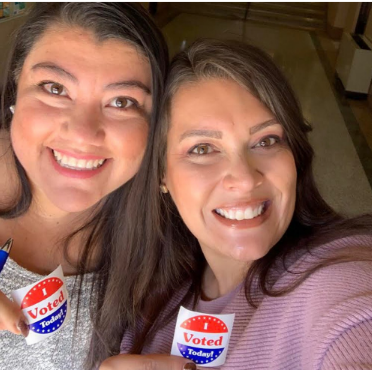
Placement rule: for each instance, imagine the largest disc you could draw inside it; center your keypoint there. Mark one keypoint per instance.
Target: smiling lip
(245, 223)
(78, 174)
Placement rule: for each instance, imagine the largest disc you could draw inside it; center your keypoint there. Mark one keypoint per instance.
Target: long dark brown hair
(168, 254)
(124, 21)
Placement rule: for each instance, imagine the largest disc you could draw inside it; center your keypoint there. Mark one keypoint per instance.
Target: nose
(243, 175)
(84, 126)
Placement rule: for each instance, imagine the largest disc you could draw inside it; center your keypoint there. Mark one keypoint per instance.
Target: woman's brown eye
(53, 88)
(202, 149)
(56, 89)
(123, 102)
(268, 141)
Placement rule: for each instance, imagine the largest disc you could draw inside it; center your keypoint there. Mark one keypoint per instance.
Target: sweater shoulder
(333, 305)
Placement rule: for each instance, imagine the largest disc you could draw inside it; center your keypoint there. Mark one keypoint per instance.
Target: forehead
(216, 100)
(77, 47)
(207, 92)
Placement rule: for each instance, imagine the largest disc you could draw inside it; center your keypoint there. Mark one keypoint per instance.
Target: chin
(74, 207)
(248, 255)
(249, 252)
(74, 203)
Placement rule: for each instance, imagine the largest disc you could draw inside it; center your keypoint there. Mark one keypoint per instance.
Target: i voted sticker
(202, 338)
(45, 305)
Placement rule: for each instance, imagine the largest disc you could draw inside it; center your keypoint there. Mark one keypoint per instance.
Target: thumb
(11, 317)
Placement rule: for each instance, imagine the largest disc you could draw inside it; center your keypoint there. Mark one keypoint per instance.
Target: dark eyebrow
(56, 69)
(205, 133)
(129, 83)
(263, 125)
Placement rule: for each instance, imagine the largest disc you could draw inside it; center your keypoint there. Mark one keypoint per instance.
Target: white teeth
(241, 214)
(95, 163)
(90, 164)
(80, 163)
(58, 155)
(77, 164)
(248, 214)
(72, 162)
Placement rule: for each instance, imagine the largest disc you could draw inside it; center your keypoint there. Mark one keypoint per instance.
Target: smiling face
(81, 117)
(229, 170)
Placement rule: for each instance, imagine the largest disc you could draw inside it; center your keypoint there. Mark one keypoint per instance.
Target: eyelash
(134, 102)
(190, 152)
(43, 85)
(277, 140)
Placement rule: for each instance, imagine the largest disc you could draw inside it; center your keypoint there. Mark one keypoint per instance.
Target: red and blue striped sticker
(202, 338)
(45, 305)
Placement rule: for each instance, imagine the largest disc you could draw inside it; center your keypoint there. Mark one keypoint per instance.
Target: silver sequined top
(66, 350)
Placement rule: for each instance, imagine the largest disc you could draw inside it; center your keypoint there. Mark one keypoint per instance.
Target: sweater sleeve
(341, 322)
(351, 350)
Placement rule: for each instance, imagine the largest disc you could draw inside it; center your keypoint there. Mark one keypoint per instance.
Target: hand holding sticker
(202, 338)
(45, 306)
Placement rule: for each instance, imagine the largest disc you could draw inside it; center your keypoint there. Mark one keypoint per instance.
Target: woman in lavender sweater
(243, 227)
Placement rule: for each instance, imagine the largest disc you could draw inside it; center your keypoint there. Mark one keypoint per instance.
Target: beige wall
(343, 15)
(352, 17)
(337, 14)
(368, 30)
(368, 34)
(7, 29)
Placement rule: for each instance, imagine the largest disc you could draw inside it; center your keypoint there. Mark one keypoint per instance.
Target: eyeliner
(4, 252)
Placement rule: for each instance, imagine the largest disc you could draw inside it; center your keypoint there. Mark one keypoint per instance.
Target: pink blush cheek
(192, 192)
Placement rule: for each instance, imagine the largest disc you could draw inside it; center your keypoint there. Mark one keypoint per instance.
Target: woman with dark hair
(242, 227)
(83, 85)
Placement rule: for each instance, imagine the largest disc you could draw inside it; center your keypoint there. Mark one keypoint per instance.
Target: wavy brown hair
(130, 23)
(170, 254)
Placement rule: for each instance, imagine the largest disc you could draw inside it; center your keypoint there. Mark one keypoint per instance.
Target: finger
(11, 317)
(148, 362)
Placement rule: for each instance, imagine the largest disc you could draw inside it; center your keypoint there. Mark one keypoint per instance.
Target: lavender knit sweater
(325, 323)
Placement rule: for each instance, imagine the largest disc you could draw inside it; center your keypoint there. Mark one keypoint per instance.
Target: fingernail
(189, 366)
(23, 327)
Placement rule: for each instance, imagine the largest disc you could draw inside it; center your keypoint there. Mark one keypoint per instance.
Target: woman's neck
(39, 240)
(222, 276)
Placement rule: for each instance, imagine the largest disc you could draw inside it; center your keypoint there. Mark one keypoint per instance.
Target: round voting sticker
(46, 306)
(203, 338)
(43, 290)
